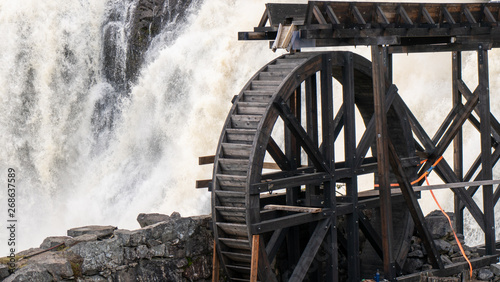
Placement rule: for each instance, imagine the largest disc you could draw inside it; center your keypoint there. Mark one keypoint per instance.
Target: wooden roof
(402, 25)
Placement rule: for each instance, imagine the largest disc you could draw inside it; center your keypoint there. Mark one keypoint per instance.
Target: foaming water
(84, 152)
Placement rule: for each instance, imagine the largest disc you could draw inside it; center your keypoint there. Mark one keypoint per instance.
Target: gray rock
(158, 250)
(442, 246)
(30, 273)
(446, 260)
(438, 224)
(146, 219)
(412, 265)
(199, 269)
(57, 265)
(95, 278)
(485, 274)
(495, 268)
(99, 255)
(99, 231)
(143, 252)
(416, 254)
(51, 242)
(4, 271)
(85, 238)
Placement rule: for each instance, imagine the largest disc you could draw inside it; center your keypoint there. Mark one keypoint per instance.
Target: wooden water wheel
(276, 172)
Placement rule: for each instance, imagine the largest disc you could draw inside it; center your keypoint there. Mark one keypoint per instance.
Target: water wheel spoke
(277, 154)
(301, 135)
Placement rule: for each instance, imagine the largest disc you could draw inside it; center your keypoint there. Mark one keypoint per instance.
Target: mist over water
(91, 148)
(88, 152)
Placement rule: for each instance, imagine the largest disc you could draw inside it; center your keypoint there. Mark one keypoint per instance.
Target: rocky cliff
(166, 248)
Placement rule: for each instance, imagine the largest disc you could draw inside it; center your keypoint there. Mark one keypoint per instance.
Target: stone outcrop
(166, 248)
(449, 250)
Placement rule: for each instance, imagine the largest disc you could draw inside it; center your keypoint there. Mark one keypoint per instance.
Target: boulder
(485, 274)
(438, 224)
(30, 273)
(4, 271)
(99, 255)
(99, 231)
(146, 219)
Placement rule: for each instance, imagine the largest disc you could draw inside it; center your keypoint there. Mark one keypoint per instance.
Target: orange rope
(424, 175)
(451, 225)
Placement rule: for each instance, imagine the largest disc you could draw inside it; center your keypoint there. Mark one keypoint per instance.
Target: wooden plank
(404, 15)
(317, 14)
(279, 157)
(288, 221)
(357, 15)
(292, 208)
(381, 15)
(486, 162)
(451, 268)
(215, 264)
(369, 134)
(350, 159)
(294, 125)
(206, 160)
(380, 78)
(255, 258)
(292, 181)
(310, 251)
(331, 15)
(264, 18)
(415, 210)
(205, 183)
(275, 242)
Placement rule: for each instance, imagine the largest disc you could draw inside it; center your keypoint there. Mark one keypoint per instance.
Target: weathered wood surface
(330, 23)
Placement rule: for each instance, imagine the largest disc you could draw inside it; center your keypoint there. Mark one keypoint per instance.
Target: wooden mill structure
(285, 207)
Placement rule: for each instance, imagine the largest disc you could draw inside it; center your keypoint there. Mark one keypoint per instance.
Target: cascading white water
(73, 167)
(86, 152)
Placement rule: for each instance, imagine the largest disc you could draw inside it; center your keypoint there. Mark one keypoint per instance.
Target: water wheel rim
(305, 65)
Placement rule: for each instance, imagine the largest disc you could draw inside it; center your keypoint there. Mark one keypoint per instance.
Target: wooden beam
(310, 251)
(206, 160)
(486, 163)
(205, 183)
(297, 130)
(279, 157)
(215, 264)
(415, 210)
(254, 265)
(352, 230)
(288, 221)
(318, 15)
(397, 190)
(451, 269)
(380, 72)
(369, 135)
(292, 181)
(443, 168)
(292, 208)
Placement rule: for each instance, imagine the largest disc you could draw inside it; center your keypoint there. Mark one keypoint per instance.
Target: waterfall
(98, 134)
(94, 144)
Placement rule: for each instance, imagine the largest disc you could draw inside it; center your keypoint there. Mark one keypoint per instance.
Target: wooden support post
(350, 160)
(292, 151)
(458, 140)
(254, 266)
(380, 74)
(329, 155)
(486, 164)
(415, 210)
(215, 265)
